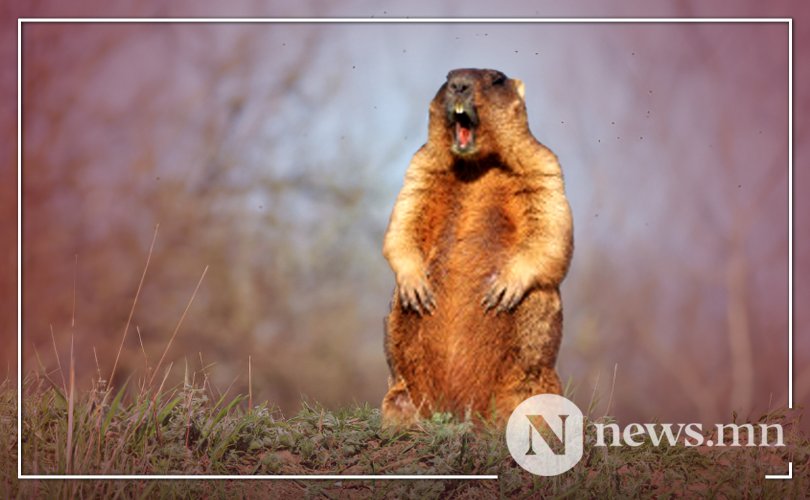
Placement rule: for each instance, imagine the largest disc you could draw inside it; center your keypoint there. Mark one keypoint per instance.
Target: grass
(188, 429)
(151, 427)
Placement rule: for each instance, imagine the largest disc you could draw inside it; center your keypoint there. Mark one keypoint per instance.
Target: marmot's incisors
(480, 239)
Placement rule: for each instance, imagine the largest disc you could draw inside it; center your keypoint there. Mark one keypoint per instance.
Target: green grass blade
(113, 408)
(220, 415)
(164, 412)
(222, 447)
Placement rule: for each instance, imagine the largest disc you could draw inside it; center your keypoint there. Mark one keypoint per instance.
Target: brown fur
(479, 242)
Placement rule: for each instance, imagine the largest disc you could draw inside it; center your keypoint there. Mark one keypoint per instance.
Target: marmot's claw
(418, 297)
(409, 301)
(509, 301)
(427, 299)
(493, 297)
(503, 297)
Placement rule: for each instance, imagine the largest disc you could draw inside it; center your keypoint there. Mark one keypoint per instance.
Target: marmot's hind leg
(548, 382)
(542, 381)
(397, 407)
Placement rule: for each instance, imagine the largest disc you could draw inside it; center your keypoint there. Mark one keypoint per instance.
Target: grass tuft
(182, 430)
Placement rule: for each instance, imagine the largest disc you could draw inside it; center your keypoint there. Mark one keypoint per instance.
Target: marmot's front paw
(507, 289)
(415, 293)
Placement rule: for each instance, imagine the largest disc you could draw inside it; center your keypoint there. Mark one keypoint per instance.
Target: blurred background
(272, 154)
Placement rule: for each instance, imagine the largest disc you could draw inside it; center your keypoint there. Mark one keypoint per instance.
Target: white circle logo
(544, 434)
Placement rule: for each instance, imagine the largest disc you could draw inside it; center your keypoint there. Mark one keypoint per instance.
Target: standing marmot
(480, 239)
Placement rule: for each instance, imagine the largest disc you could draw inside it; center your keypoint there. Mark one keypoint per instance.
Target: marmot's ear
(521, 89)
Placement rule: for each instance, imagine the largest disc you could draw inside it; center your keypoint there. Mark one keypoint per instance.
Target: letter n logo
(544, 434)
(538, 425)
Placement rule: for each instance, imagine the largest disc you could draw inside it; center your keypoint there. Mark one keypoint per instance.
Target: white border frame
(469, 20)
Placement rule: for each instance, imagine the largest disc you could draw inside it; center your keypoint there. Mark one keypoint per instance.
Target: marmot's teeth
(459, 108)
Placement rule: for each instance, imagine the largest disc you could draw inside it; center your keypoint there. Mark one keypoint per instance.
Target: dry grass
(184, 430)
(189, 427)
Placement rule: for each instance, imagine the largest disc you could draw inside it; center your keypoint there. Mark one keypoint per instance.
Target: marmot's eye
(498, 78)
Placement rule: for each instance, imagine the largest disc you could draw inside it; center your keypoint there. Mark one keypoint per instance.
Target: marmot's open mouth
(463, 129)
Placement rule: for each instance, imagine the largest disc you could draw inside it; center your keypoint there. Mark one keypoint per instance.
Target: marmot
(480, 239)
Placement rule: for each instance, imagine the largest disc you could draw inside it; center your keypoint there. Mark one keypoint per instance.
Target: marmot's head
(477, 112)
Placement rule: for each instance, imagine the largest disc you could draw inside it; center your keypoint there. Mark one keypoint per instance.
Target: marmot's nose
(460, 84)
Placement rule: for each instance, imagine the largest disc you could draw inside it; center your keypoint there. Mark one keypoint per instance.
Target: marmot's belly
(470, 347)
(457, 357)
